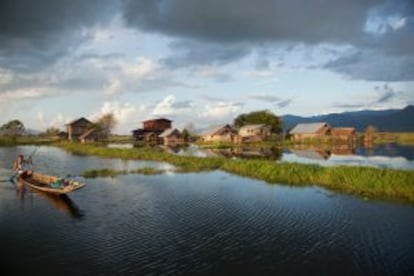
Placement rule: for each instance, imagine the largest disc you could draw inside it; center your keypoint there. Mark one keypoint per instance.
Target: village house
(254, 133)
(302, 132)
(344, 135)
(151, 130)
(80, 130)
(171, 137)
(157, 125)
(221, 134)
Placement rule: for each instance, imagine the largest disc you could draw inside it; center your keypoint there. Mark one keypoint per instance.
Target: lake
(194, 224)
(391, 156)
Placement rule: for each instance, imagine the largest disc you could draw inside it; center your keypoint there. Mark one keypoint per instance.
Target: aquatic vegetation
(102, 173)
(113, 173)
(364, 181)
(25, 140)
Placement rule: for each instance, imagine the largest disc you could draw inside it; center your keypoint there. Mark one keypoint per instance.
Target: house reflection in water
(324, 153)
(315, 154)
(247, 153)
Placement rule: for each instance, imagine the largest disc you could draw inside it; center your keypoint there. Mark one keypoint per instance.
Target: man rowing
(21, 167)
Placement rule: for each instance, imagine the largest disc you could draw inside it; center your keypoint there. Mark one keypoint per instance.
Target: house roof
(307, 128)
(157, 120)
(217, 130)
(168, 132)
(78, 120)
(343, 130)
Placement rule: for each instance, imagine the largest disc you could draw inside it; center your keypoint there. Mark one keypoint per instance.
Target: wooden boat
(42, 182)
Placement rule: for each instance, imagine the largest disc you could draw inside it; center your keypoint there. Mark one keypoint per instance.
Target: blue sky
(201, 62)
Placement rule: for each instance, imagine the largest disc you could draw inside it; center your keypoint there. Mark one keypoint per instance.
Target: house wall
(173, 140)
(262, 132)
(303, 136)
(226, 137)
(76, 130)
(155, 125)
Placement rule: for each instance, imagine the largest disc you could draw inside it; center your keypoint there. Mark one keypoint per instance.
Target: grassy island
(363, 181)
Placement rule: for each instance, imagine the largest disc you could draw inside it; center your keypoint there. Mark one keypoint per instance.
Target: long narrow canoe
(42, 182)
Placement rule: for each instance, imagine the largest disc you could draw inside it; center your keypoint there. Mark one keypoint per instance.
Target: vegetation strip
(114, 173)
(364, 181)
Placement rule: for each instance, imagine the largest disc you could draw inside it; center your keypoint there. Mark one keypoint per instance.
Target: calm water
(381, 156)
(195, 224)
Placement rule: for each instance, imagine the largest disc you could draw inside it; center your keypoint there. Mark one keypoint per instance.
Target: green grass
(25, 140)
(364, 181)
(102, 173)
(114, 173)
(402, 138)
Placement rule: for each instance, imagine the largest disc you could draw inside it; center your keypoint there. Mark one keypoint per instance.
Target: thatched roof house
(344, 134)
(151, 129)
(78, 127)
(171, 137)
(256, 132)
(310, 131)
(220, 134)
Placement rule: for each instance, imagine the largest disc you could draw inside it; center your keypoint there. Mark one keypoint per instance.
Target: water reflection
(208, 223)
(382, 156)
(61, 202)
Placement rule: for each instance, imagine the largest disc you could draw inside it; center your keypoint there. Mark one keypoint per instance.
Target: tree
(51, 131)
(104, 125)
(369, 135)
(259, 117)
(13, 128)
(186, 135)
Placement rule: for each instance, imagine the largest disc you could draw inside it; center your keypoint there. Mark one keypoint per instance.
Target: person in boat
(21, 167)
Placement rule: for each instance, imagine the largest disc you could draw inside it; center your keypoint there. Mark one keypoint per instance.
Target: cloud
(221, 32)
(127, 115)
(191, 52)
(381, 95)
(284, 103)
(220, 112)
(374, 66)
(236, 20)
(140, 75)
(34, 34)
(56, 121)
(278, 102)
(170, 107)
(265, 98)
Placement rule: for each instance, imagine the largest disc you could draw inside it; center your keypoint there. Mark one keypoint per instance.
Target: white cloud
(5, 77)
(165, 107)
(127, 115)
(26, 93)
(131, 74)
(398, 23)
(169, 106)
(55, 121)
(220, 112)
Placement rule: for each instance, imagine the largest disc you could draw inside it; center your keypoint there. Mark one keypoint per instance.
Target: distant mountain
(383, 120)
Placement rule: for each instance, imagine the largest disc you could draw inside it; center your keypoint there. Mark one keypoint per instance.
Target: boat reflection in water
(61, 202)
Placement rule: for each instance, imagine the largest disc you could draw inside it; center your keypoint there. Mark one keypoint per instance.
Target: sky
(201, 63)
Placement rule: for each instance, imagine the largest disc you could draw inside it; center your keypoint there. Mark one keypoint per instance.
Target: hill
(384, 120)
